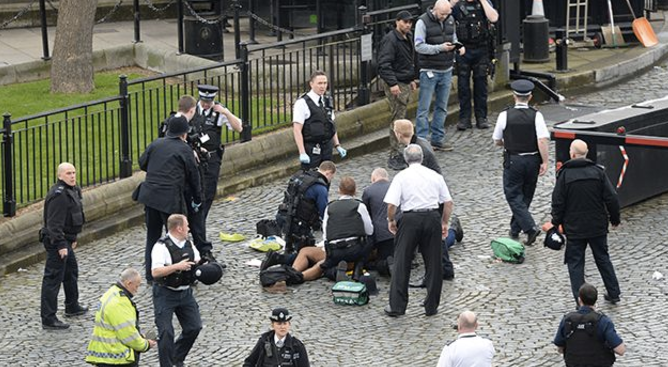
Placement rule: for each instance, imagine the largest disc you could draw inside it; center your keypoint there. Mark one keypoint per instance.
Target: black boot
(358, 271)
(272, 258)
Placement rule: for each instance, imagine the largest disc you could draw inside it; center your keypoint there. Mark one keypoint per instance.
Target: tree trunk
(72, 63)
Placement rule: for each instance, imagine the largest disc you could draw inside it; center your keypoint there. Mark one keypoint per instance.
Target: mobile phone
(457, 45)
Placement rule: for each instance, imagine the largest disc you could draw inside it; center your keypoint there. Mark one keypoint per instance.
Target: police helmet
(209, 273)
(280, 315)
(554, 240)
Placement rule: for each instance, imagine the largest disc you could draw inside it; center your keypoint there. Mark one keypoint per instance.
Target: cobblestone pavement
(519, 306)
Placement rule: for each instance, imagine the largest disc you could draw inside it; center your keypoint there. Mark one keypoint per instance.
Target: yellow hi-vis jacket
(116, 339)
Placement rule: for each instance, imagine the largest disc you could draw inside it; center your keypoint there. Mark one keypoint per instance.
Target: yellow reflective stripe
(131, 338)
(102, 339)
(120, 326)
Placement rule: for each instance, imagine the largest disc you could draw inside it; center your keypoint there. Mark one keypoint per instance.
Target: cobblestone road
(519, 306)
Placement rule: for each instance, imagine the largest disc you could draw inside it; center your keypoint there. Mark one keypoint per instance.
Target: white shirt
(160, 255)
(469, 350)
(364, 213)
(222, 119)
(276, 339)
(417, 187)
(541, 128)
(301, 112)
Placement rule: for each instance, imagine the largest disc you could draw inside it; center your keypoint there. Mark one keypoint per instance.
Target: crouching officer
(277, 347)
(173, 264)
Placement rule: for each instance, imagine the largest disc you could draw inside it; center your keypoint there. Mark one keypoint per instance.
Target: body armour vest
(179, 278)
(319, 126)
(295, 202)
(472, 27)
(519, 136)
(207, 123)
(583, 347)
(343, 220)
(436, 35)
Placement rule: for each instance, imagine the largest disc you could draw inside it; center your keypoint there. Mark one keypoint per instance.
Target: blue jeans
(166, 303)
(439, 83)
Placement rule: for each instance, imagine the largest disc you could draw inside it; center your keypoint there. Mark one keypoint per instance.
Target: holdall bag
(508, 250)
(350, 293)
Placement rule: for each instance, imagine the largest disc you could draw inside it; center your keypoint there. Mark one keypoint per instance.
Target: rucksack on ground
(508, 250)
(268, 227)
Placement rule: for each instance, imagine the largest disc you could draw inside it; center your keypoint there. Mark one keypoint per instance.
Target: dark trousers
(57, 271)
(166, 303)
(211, 175)
(417, 230)
(357, 252)
(520, 176)
(324, 155)
(574, 257)
(156, 221)
(475, 61)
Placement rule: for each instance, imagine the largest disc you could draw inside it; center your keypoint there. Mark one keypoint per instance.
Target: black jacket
(292, 354)
(396, 61)
(584, 200)
(63, 215)
(170, 166)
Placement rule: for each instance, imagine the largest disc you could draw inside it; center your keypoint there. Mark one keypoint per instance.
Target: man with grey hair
(469, 349)
(419, 191)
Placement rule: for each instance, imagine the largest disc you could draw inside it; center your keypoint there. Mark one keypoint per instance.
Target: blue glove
(342, 152)
(195, 206)
(304, 158)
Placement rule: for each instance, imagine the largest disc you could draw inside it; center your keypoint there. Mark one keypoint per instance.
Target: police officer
(473, 18)
(173, 262)
(171, 169)
(208, 123)
(522, 132)
(345, 228)
(587, 337)
(63, 219)
(313, 124)
(278, 347)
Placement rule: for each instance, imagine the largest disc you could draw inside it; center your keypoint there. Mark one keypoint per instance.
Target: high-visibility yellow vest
(115, 339)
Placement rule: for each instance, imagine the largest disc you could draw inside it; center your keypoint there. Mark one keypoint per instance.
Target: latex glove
(195, 206)
(342, 152)
(304, 158)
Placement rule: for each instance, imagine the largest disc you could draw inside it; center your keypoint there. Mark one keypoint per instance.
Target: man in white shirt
(173, 262)
(419, 191)
(313, 124)
(469, 350)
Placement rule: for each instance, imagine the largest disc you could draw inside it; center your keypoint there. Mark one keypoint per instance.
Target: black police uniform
(267, 354)
(318, 131)
(170, 168)
(473, 30)
(63, 220)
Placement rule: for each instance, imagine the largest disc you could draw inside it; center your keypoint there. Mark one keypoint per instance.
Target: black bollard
(562, 49)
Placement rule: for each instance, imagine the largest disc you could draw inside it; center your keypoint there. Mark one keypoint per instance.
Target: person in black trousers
(63, 220)
(170, 167)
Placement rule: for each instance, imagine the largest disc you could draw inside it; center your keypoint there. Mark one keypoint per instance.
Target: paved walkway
(519, 306)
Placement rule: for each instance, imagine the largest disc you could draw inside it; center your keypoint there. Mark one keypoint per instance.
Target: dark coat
(63, 215)
(373, 199)
(292, 354)
(170, 166)
(396, 58)
(584, 200)
(428, 157)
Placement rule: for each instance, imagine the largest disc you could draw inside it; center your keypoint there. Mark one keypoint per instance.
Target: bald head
(467, 322)
(379, 174)
(442, 9)
(578, 149)
(67, 173)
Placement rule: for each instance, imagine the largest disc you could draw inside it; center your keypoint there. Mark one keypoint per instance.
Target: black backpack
(278, 273)
(295, 206)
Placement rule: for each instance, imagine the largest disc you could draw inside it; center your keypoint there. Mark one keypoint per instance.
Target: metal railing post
(179, 24)
(137, 20)
(246, 134)
(251, 23)
(363, 95)
(237, 31)
(126, 162)
(8, 200)
(45, 36)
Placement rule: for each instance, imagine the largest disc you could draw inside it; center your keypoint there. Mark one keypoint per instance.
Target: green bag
(508, 250)
(350, 293)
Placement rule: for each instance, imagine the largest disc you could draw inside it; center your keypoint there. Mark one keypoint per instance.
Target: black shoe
(431, 312)
(482, 123)
(613, 300)
(55, 325)
(341, 269)
(396, 162)
(270, 259)
(419, 283)
(207, 256)
(449, 277)
(463, 125)
(80, 310)
(531, 237)
(513, 236)
(389, 312)
(445, 147)
(457, 227)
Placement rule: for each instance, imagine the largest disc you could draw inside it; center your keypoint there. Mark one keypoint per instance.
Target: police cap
(554, 240)
(178, 125)
(522, 87)
(209, 273)
(207, 92)
(404, 15)
(280, 315)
